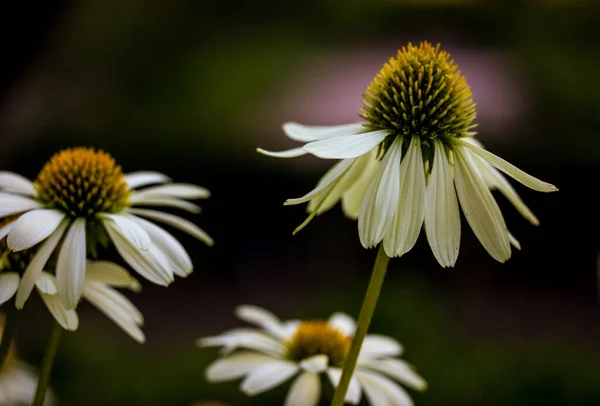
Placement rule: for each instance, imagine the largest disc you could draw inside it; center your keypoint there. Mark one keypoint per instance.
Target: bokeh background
(191, 88)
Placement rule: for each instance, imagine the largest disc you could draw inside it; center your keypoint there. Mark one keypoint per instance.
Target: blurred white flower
(81, 199)
(279, 350)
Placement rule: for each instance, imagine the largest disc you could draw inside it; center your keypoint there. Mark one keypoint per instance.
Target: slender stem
(47, 364)
(364, 320)
(8, 334)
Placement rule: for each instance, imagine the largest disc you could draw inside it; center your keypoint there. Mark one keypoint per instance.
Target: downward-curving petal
(382, 391)
(376, 346)
(267, 376)
(13, 204)
(15, 183)
(177, 222)
(235, 366)
(305, 391)
(178, 190)
(128, 229)
(346, 146)
(70, 267)
(33, 227)
(399, 370)
(155, 200)
(288, 153)
(332, 175)
(66, 318)
(143, 178)
(9, 283)
(307, 133)
(110, 274)
(353, 196)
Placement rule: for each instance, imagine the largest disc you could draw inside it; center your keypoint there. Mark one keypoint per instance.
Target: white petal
(480, 208)
(260, 317)
(288, 153)
(353, 196)
(442, 217)
(315, 364)
(346, 146)
(306, 133)
(154, 200)
(70, 267)
(343, 322)
(46, 283)
(151, 264)
(399, 370)
(267, 376)
(235, 366)
(177, 222)
(245, 338)
(111, 274)
(305, 391)
(514, 242)
(375, 345)
(143, 178)
(4, 230)
(13, 204)
(326, 181)
(178, 190)
(33, 227)
(66, 318)
(9, 283)
(165, 242)
(381, 199)
(35, 267)
(382, 391)
(128, 229)
(510, 170)
(15, 183)
(117, 308)
(406, 224)
(354, 393)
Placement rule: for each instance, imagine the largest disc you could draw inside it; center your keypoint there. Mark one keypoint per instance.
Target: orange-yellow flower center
(319, 338)
(82, 182)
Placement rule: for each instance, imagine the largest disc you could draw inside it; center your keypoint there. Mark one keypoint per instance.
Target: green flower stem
(47, 364)
(10, 328)
(364, 320)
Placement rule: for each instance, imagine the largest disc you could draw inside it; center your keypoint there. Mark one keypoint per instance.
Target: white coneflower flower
(411, 159)
(271, 355)
(18, 381)
(80, 197)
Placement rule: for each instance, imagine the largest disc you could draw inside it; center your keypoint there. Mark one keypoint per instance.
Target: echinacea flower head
(412, 161)
(82, 199)
(279, 350)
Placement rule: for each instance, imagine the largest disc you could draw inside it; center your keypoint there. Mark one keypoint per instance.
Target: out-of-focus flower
(412, 161)
(81, 199)
(277, 351)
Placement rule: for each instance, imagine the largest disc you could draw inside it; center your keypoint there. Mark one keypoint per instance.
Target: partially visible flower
(18, 381)
(81, 199)
(278, 351)
(412, 161)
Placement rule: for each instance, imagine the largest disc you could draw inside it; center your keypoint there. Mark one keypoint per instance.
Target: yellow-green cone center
(318, 338)
(420, 92)
(82, 182)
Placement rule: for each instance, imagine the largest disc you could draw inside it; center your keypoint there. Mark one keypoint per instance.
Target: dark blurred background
(191, 88)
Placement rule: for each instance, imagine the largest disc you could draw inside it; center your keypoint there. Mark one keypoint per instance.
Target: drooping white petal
(177, 222)
(70, 267)
(111, 274)
(154, 200)
(514, 242)
(15, 183)
(262, 318)
(354, 393)
(33, 227)
(173, 250)
(346, 146)
(353, 196)
(288, 153)
(66, 318)
(305, 391)
(343, 322)
(315, 364)
(442, 217)
(13, 204)
(9, 283)
(406, 224)
(46, 283)
(509, 169)
(331, 176)
(116, 307)
(178, 190)
(307, 133)
(143, 178)
(151, 264)
(382, 391)
(4, 230)
(399, 370)
(37, 263)
(235, 366)
(245, 338)
(480, 208)
(375, 345)
(126, 228)
(381, 199)
(268, 376)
